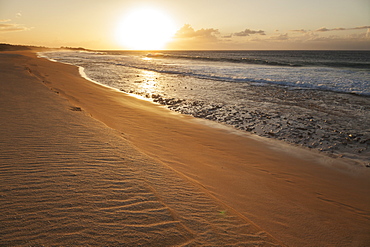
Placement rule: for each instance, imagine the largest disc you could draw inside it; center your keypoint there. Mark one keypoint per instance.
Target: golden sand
(83, 164)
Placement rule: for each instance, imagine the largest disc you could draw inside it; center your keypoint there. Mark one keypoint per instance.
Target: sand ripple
(66, 179)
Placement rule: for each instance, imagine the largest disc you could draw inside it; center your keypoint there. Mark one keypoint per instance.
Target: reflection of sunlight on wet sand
(149, 81)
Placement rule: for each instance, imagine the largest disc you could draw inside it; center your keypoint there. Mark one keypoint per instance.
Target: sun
(145, 29)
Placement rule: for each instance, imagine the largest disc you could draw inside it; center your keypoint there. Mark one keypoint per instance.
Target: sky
(188, 24)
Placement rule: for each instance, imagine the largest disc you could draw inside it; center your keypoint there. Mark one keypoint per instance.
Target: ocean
(315, 99)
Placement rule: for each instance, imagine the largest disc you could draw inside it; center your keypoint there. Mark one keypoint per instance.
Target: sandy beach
(82, 164)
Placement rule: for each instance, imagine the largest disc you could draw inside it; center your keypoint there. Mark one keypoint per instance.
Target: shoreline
(315, 119)
(275, 190)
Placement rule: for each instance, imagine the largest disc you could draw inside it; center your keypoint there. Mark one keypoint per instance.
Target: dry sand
(82, 164)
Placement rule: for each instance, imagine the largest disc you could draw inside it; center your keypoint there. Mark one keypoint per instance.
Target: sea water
(316, 99)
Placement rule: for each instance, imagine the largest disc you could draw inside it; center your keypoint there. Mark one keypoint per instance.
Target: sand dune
(136, 174)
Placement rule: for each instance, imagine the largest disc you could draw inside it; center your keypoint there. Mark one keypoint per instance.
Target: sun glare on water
(145, 29)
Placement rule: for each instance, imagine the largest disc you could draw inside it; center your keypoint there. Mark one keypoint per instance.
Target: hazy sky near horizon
(197, 24)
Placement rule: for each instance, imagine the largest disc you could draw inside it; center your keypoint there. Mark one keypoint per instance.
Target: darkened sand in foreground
(82, 164)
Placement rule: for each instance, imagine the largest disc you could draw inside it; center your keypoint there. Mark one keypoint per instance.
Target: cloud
(324, 29)
(280, 37)
(211, 34)
(362, 27)
(11, 27)
(248, 32)
(211, 38)
(18, 15)
(189, 38)
(299, 31)
(188, 32)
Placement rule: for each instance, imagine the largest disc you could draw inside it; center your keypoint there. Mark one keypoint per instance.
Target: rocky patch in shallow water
(307, 118)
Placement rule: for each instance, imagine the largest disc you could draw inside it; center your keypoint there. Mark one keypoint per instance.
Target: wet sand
(82, 164)
(336, 124)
